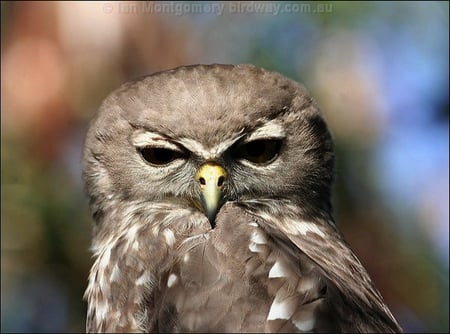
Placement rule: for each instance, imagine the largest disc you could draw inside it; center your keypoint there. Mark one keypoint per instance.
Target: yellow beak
(211, 178)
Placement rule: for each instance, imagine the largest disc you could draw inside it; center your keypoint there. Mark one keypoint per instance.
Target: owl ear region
(211, 178)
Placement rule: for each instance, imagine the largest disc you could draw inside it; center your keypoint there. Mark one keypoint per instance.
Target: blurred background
(379, 71)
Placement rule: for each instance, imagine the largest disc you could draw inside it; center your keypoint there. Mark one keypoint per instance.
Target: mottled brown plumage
(210, 188)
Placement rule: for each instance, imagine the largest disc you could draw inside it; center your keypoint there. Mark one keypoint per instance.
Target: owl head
(202, 135)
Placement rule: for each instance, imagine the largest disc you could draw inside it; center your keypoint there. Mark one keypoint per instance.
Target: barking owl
(210, 188)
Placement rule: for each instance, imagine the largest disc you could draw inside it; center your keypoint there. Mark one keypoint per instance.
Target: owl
(210, 188)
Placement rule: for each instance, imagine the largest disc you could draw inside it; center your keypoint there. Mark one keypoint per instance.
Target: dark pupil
(158, 156)
(255, 149)
(260, 151)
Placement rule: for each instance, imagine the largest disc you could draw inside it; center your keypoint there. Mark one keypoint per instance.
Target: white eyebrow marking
(142, 138)
(272, 129)
(214, 152)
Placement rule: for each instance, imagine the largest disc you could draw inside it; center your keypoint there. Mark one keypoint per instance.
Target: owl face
(203, 135)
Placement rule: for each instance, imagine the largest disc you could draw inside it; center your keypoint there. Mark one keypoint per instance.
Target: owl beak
(211, 179)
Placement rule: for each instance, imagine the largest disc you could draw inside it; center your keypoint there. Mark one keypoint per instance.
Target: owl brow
(272, 130)
(146, 128)
(209, 153)
(143, 137)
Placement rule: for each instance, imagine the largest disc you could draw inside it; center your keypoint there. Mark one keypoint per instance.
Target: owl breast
(235, 278)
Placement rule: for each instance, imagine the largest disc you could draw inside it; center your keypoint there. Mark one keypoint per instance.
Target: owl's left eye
(159, 156)
(261, 151)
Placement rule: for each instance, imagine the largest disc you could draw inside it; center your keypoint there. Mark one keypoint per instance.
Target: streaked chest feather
(234, 279)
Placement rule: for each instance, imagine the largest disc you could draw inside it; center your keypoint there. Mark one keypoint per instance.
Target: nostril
(202, 181)
(220, 181)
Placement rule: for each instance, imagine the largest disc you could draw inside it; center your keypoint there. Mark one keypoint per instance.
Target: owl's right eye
(260, 151)
(159, 156)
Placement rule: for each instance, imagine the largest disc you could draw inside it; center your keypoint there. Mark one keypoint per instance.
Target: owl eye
(159, 156)
(261, 151)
